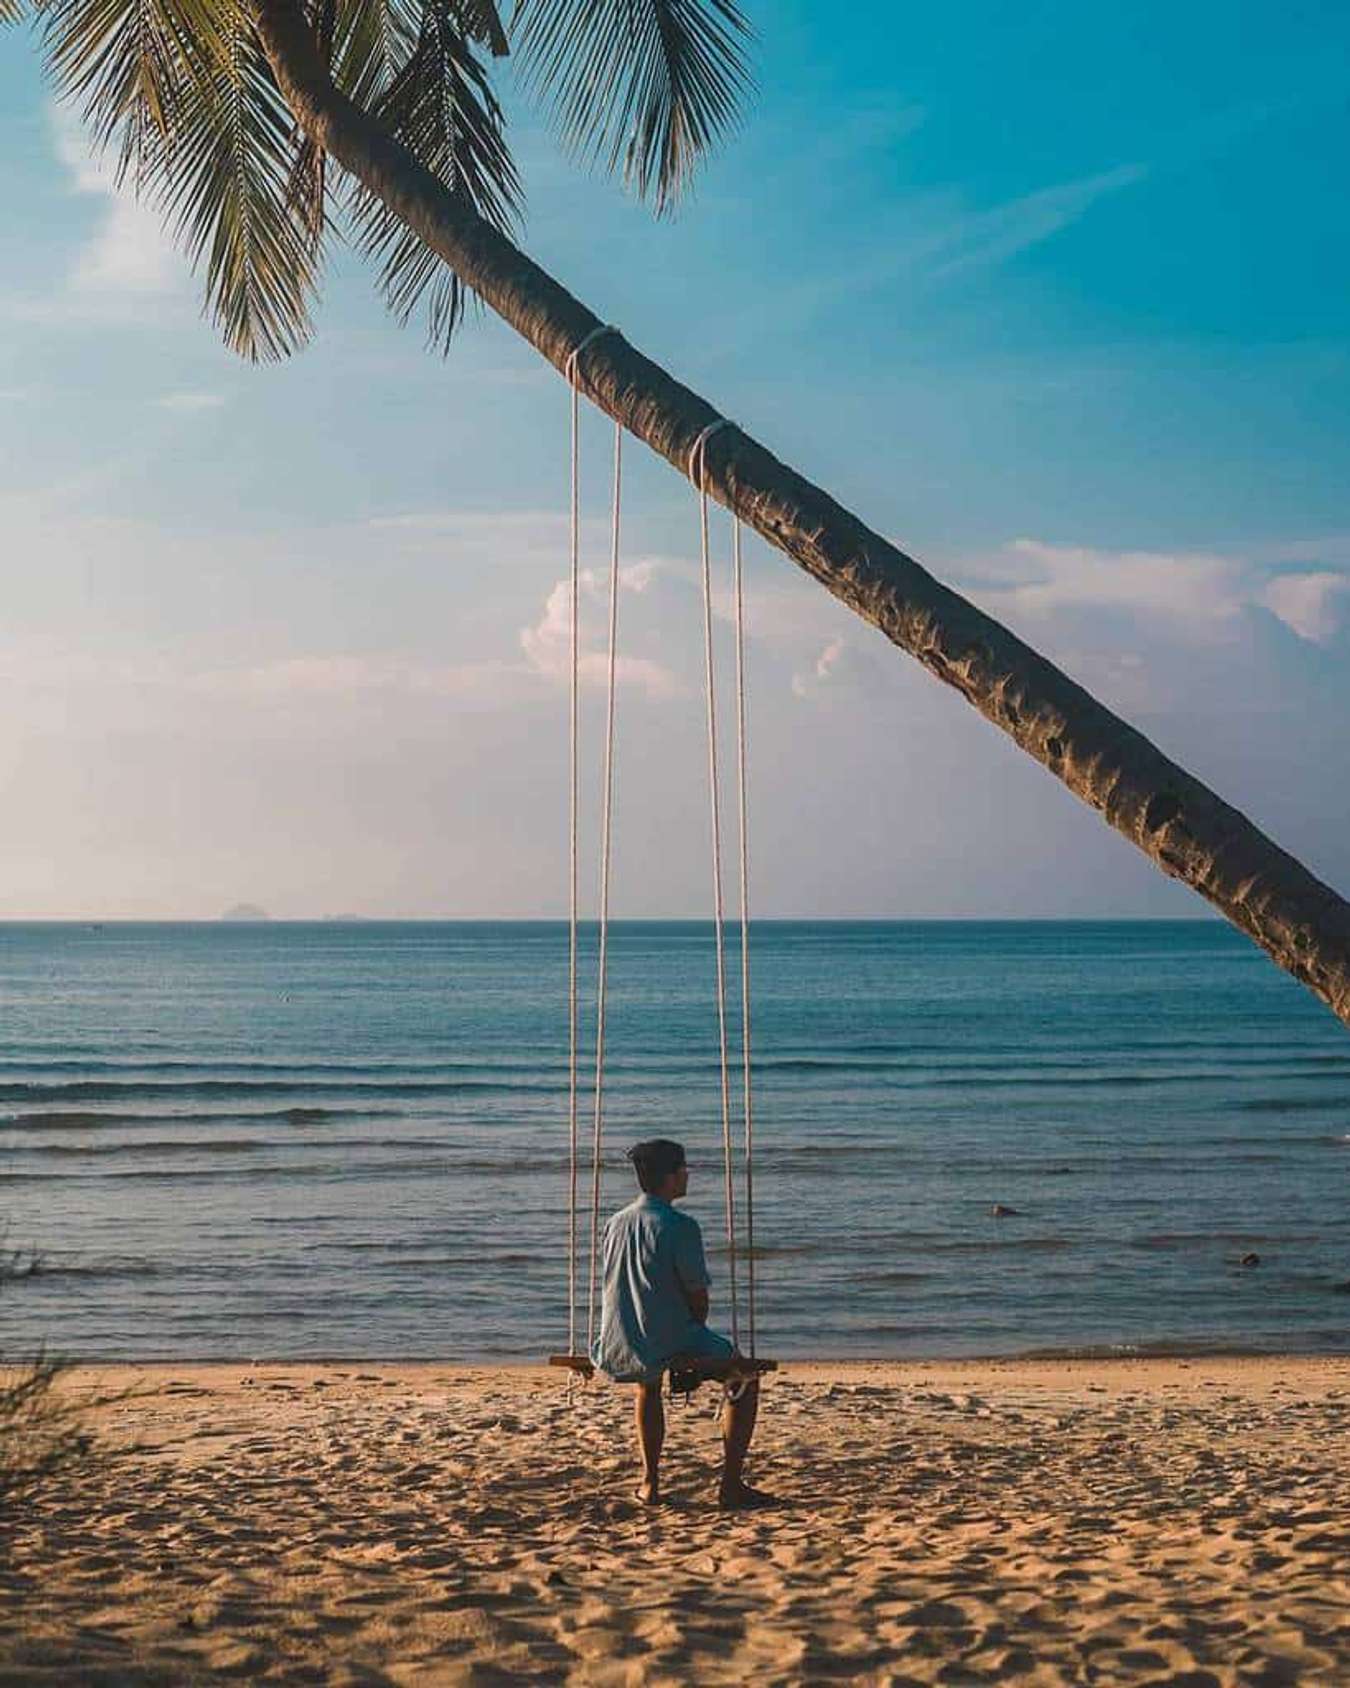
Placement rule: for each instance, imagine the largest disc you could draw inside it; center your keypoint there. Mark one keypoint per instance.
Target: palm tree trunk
(1183, 826)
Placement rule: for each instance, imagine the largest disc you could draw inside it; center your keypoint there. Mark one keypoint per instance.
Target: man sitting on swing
(655, 1312)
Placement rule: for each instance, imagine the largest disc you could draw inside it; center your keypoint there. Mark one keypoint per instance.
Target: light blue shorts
(700, 1344)
(703, 1344)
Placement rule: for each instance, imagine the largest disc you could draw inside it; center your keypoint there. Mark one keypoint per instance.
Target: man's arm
(691, 1268)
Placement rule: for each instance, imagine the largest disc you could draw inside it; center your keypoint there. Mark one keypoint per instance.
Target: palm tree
(230, 114)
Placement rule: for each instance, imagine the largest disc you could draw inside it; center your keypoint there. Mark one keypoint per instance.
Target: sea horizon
(590, 920)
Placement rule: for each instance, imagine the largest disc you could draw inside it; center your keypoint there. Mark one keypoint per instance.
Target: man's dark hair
(654, 1161)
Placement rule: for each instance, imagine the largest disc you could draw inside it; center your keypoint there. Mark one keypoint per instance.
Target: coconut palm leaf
(413, 65)
(361, 44)
(646, 86)
(307, 189)
(482, 23)
(373, 39)
(11, 11)
(184, 90)
(227, 189)
(442, 108)
(307, 182)
(128, 64)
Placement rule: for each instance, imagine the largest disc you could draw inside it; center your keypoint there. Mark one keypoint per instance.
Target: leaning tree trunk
(1183, 826)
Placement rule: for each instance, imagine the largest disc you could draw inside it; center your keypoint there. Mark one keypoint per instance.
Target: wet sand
(1150, 1521)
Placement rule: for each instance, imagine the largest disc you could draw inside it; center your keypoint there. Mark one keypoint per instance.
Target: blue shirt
(653, 1259)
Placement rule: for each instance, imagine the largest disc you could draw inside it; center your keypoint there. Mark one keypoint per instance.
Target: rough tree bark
(1191, 833)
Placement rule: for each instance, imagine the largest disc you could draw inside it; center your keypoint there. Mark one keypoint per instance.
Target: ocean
(349, 1140)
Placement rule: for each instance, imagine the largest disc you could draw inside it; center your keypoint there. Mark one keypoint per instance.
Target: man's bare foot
(740, 1497)
(649, 1494)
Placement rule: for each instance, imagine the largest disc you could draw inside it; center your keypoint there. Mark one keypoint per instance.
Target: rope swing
(742, 790)
(579, 1362)
(602, 974)
(697, 474)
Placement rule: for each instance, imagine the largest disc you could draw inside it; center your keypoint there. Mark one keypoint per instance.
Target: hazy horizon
(354, 919)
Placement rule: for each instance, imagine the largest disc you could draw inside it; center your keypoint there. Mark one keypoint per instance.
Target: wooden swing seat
(738, 1372)
(577, 1363)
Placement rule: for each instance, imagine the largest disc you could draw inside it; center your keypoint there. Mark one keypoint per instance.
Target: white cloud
(1197, 587)
(351, 675)
(129, 251)
(538, 526)
(1196, 593)
(844, 665)
(188, 403)
(826, 664)
(985, 239)
(637, 577)
(547, 643)
(1308, 603)
(933, 236)
(68, 667)
(1328, 550)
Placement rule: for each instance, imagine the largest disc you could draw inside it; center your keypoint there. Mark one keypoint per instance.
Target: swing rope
(574, 584)
(697, 473)
(742, 790)
(574, 386)
(601, 990)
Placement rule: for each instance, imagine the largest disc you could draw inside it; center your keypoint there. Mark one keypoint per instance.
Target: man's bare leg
(738, 1426)
(650, 1417)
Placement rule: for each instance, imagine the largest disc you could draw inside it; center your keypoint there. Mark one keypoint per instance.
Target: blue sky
(1054, 297)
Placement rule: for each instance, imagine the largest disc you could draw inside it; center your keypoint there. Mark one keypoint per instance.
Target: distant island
(246, 911)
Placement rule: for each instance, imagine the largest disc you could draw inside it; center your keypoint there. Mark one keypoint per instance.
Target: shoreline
(1088, 1356)
(1258, 1379)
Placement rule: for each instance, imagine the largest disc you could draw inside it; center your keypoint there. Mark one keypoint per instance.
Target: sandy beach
(1153, 1521)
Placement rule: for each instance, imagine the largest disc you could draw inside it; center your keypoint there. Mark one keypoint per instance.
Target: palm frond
(441, 107)
(11, 11)
(307, 180)
(128, 64)
(362, 43)
(646, 87)
(482, 23)
(228, 189)
(307, 188)
(183, 90)
(373, 39)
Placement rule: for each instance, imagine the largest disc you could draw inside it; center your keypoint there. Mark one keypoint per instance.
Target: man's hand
(698, 1305)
